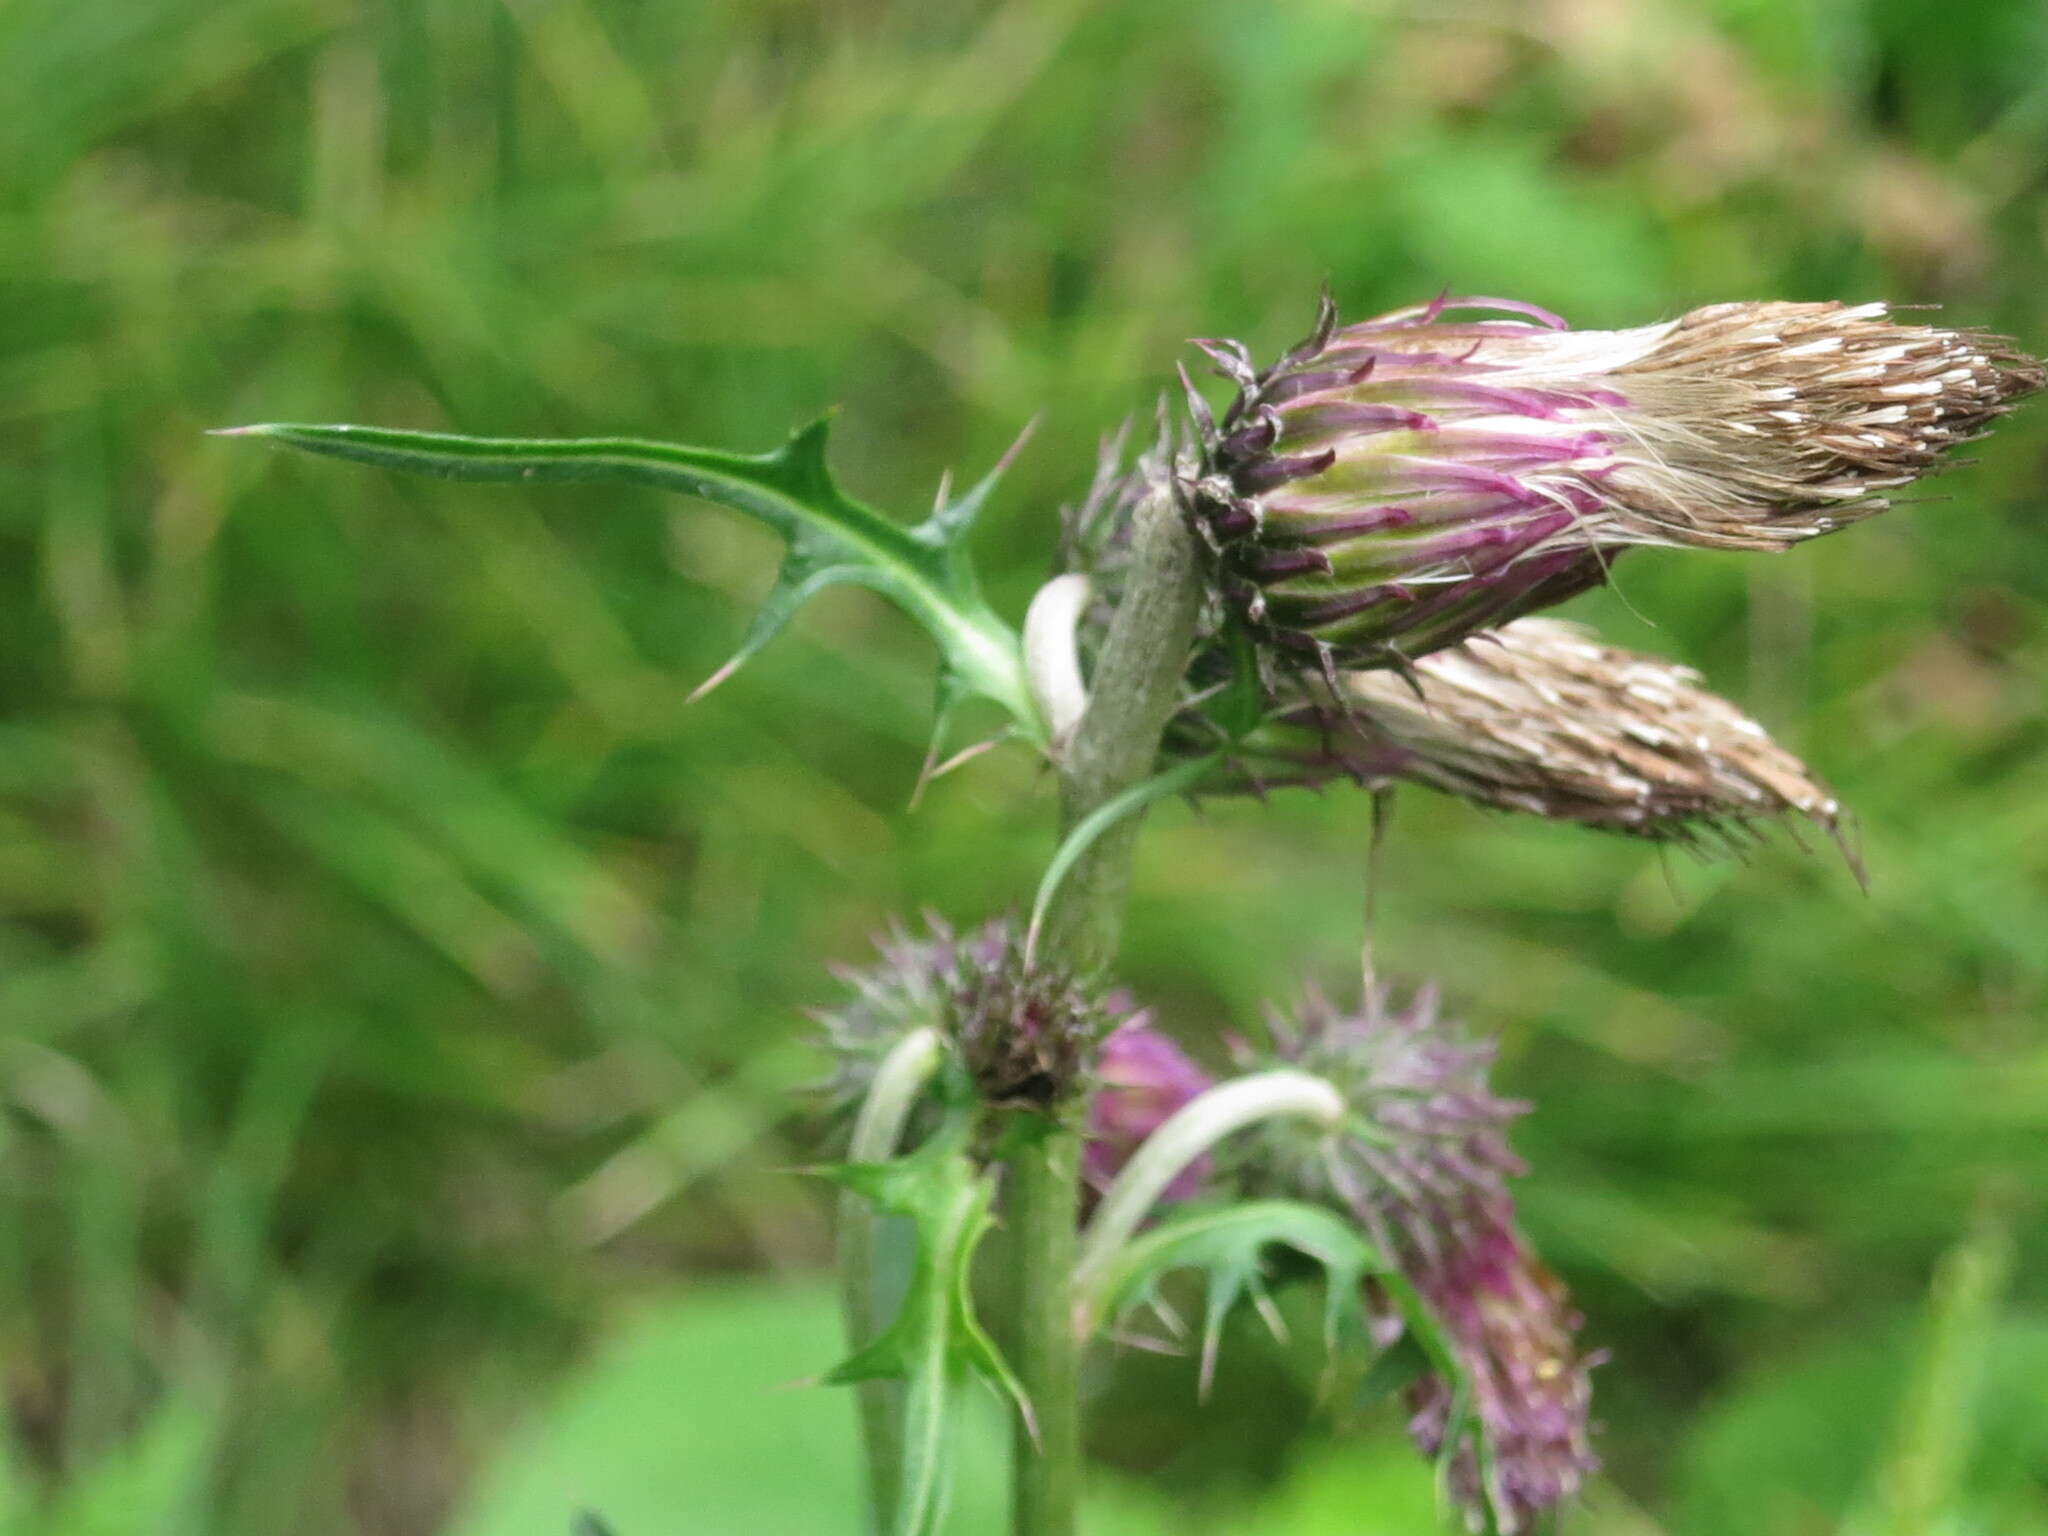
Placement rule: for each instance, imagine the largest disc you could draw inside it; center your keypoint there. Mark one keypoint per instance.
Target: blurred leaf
(156, 1481)
(1792, 1450)
(1377, 1489)
(1489, 212)
(1919, 1487)
(686, 1424)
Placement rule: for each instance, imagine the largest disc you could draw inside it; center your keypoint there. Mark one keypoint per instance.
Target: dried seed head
(1023, 1033)
(1426, 1178)
(1142, 1078)
(1390, 487)
(1538, 716)
(1764, 424)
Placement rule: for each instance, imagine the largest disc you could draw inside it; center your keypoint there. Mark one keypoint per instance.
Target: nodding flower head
(1424, 1173)
(1539, 717)
(1024, 1033)
(1389, 487)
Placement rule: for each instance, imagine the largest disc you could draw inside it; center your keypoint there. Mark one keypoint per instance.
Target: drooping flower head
(1024, 1032)
(1424, 1173)
(1389, 487)
(1540, 717)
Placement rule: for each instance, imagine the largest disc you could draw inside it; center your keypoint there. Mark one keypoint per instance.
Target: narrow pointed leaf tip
(831, 539)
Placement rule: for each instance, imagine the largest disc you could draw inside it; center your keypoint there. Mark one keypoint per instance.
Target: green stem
(1133, 694)
(1044, 1183)
(877, 1132)
(1173, 781)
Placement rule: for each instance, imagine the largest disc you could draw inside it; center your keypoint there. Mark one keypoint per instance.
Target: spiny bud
(1388, 488)
(1425, 1176)
(1538, 716)
(1024, 1033)
(1142, 1077)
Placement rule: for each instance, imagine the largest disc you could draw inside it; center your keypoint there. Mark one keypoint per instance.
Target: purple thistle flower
(1142, 1078)
(1389, 487)
(1024, 1034)
(1425, 1177)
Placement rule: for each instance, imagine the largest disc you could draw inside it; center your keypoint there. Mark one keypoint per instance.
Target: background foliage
(400, 987)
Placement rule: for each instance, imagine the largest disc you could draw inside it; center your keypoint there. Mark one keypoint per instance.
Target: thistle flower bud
(1538, 716)
(1388, 488)
(1023, 1033)
(1425, 1176)
(1142, 1078)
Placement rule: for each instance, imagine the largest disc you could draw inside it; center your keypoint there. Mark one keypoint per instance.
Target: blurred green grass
(396, 977)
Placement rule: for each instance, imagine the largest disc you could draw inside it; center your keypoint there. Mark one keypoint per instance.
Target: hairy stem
(1133, 694)
(877, 1132)
(1043, 1183)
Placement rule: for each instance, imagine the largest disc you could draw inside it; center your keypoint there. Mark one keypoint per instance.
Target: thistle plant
(1325, 579)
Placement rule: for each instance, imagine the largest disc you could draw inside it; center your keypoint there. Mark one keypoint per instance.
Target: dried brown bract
(1540, 717)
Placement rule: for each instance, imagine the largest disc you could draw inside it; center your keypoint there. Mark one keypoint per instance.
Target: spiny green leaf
(1231, 1244)
(832, 539)
(935, 1341)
